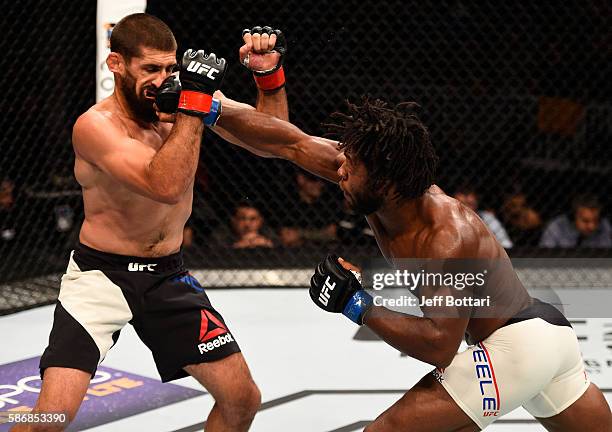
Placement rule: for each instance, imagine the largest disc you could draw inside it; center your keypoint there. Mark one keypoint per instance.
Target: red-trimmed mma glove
(336, 289)
(271, 78)
(201, 75)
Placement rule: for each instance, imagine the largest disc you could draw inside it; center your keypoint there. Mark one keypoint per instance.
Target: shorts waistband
(91, 259)
(540, 309)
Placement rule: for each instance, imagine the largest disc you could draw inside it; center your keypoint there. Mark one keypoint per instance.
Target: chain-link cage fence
(47, 81)
(516, 96)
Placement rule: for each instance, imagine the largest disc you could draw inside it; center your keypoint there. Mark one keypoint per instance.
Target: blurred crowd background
(517, 96)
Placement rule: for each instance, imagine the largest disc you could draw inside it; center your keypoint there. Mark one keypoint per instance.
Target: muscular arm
(433, 338)
(268, 136)
(163, 175)
(273, 102)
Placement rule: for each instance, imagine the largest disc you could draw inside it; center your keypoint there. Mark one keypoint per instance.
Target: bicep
(320, 156)
(101, 143)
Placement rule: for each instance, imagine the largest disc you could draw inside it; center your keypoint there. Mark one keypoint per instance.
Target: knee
(241, 404)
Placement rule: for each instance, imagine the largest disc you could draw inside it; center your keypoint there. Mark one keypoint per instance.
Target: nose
(159, 79)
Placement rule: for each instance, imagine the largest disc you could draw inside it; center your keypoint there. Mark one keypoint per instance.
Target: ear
(115, 63)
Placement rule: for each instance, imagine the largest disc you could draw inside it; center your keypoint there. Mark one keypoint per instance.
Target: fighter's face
(143, 76)
(358, 191)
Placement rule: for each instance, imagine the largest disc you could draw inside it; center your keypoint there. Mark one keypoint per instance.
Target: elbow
(443, 361)
(443, 350)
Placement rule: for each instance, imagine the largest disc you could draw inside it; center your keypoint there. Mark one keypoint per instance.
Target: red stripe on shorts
(492, 372)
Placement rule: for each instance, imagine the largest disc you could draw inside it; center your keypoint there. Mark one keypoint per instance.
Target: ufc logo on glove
(324, 295)
(200, 68)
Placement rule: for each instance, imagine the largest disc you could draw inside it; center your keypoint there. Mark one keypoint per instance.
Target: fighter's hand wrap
(167, 100)
(335, 289)
(274, 78)
(201, 75)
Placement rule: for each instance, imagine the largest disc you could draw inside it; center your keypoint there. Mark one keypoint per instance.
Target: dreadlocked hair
(392, 142)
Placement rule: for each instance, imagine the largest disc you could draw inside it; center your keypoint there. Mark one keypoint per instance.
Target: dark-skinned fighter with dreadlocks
(522, 352)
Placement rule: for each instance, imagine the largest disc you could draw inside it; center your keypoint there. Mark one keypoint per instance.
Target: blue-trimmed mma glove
(167, 100)
(201, 75)
(336, 289)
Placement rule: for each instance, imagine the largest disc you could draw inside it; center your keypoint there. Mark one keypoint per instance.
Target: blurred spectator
(247, 229)
(522, 222)
(8, 213)
(310, 213)
(584, 228)
(468, 196)
(204, 219)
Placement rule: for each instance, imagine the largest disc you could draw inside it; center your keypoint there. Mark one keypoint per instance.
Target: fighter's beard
(365, 202)
(140, 107)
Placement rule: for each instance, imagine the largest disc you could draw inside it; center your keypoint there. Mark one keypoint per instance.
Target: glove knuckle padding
(201, 75)
(167, 97)
(256, 29)
(281, 44)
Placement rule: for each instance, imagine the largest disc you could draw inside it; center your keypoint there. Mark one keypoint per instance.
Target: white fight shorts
(530, 362)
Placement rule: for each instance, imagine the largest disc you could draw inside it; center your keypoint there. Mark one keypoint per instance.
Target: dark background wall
(517, 96)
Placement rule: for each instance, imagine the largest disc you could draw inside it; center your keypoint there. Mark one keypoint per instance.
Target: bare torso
(411, 238)
(118, 219)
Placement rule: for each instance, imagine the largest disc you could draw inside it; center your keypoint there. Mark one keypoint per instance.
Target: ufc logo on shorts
(200, 68)
(324, 294)
(134, 267)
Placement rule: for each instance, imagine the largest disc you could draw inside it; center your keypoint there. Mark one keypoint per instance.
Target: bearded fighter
(137, 175)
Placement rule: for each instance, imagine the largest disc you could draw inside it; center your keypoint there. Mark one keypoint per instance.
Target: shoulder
(454, 229)
(97, 121)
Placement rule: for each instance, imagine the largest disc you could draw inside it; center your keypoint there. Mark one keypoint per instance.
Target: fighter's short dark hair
(392, 142)
(141, 30)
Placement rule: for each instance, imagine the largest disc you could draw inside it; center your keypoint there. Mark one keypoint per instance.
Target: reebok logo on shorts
(219, 341)
(212, 328)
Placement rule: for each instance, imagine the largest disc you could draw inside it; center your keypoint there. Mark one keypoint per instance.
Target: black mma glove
(335, 289)
(201, 75)
(167, 97)
(167, 100)
(273, 78)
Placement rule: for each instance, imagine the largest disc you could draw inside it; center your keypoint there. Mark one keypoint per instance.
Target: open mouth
(150, 94)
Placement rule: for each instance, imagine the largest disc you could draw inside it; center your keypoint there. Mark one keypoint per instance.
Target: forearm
(172, 169)
(261, 132)
(268, 136)
(274, 103)
(420, 338)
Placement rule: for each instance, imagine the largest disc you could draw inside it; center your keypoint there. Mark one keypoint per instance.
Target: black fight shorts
(102, 292)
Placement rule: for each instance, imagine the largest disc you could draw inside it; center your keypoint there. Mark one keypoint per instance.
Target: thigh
(590, 412)
(90, 312)
(181, 327)
(425, 407)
